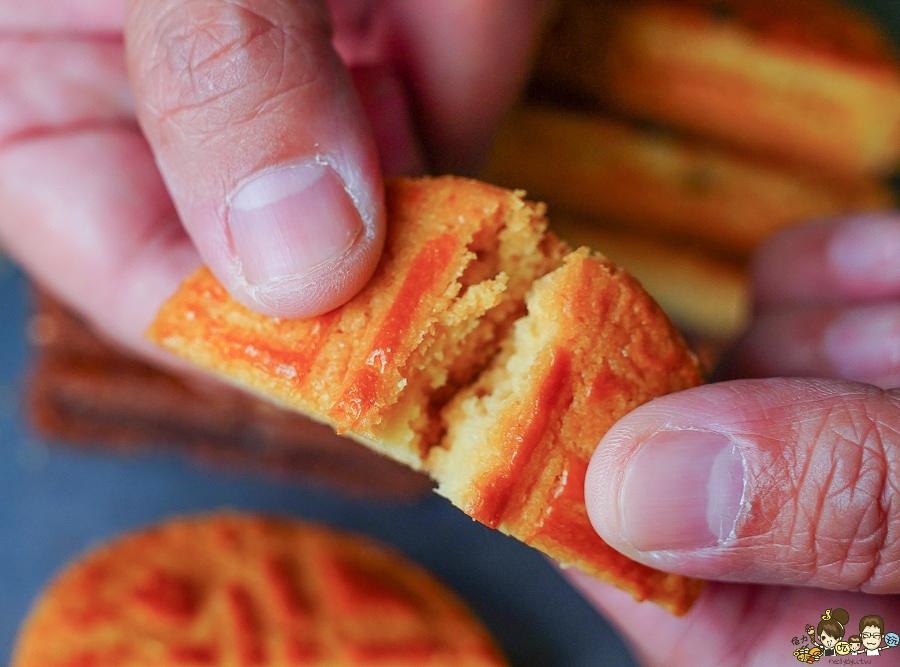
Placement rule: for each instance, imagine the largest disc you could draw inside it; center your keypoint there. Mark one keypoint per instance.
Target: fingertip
(464, 77)
(319, 291)
(835, 260)
(668, 478)
(264, 146)
(722, 480)
(603, 481)
(864, 253)
(303, 242)
(669, 489)
(388, 108)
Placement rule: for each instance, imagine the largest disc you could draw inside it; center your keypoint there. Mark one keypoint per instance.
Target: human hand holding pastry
(779, 481)
(256, 122)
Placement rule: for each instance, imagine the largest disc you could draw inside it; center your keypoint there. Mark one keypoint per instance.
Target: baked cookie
(809, 81)
(650, 180)
(240, 590)
(414, 364)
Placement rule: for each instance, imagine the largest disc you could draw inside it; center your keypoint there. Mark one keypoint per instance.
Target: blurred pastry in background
(704, 295)
(232, 589)
(647, 179)
(83, 392)
(811, 82)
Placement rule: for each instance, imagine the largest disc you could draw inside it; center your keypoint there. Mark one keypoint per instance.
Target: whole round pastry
(242, 590)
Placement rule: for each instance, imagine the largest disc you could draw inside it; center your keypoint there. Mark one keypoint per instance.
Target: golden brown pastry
(235, 590)
(436, 364)
(809, 81)
(458, 260)
(653, 181)
(593, 347)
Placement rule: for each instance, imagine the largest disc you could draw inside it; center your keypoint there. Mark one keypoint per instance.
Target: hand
(781, 482)
(259, 141)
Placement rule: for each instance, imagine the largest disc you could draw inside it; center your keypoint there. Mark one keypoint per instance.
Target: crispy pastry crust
(703, 294)
(84, 392)
(593, 347)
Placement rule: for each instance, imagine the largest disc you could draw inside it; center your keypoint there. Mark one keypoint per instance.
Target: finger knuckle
(215, 64)
(853, 476)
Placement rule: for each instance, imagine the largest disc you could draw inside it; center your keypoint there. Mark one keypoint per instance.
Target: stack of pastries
(690, 130)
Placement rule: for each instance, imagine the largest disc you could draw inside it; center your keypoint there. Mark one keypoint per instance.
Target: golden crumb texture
(458, 259)
(482, 351)
(241, 590)
(593, 347)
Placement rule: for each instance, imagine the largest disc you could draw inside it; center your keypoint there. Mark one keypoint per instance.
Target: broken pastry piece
(592, 348)
(812, 82)
(438, 363)
(459, 258)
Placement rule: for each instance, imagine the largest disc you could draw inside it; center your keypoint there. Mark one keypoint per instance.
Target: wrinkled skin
(821, 459)
(113, 215)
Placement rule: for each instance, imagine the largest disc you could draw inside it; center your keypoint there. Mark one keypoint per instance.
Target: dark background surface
(886, 12)
(55, 503)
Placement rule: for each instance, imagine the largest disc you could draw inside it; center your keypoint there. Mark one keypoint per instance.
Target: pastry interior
(592, 348)
(457, 264)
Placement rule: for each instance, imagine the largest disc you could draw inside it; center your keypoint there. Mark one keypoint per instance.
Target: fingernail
(864, 344)
(287, 222)
(681, 490)
(867, 251)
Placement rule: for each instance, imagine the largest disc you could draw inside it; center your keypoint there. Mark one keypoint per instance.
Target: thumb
(263, 145)
(769, 481)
